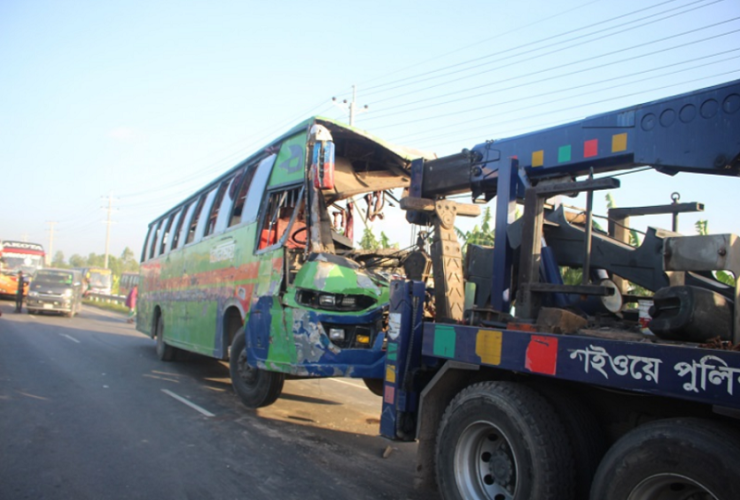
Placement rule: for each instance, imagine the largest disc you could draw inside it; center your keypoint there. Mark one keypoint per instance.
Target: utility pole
(351, 106)
(108, 223)
(50, 254)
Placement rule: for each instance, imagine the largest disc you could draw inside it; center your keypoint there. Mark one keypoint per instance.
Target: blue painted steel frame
(685, 372)
(403, 358)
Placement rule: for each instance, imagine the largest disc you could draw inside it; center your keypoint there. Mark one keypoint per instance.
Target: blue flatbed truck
(520, 386)
(567, 395)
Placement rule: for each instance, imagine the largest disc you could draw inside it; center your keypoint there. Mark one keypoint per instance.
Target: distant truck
(97, 280)
(18, 256)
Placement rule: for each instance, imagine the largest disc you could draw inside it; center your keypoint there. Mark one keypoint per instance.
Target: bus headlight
(336, 334)
(334, 301)
(68, 293)
(33, 294)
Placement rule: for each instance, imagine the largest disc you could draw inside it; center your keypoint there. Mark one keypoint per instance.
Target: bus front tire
(375, 385)
(164, 352)
(255, 387)
(673, 458)
(502, 440)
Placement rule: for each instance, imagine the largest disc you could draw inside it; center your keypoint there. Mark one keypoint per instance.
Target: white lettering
(708, 369)
(637, 367)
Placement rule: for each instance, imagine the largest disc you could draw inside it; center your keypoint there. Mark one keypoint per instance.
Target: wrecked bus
(264, 257)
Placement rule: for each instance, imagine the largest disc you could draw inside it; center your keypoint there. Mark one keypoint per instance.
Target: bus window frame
(146, 243)
(163, 240)
(175, 231)
(300, 201)
(186, 215)
(203, 221)
(244, 179)
(194, 219)
(218, 207)
(251, 211)
(156, 235)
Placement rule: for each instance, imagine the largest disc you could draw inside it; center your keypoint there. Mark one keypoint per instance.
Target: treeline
(125, 263)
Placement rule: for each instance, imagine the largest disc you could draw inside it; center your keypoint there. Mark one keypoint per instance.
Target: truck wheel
(255, 387)
(164, 352)
(584, 433)
(502, 441)
(671, 460)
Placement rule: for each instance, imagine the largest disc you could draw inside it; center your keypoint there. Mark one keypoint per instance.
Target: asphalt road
(87, 411)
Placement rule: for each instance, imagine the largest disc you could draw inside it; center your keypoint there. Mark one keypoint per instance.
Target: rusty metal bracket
(717, 252)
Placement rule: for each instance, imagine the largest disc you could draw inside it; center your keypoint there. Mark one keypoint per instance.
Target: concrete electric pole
(50, 254)
(108, 223)
(351, 106)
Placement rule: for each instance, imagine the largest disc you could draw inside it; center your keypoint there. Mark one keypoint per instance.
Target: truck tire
(587, 438)
(503, 441)
(164, 352)
(669, 460)
(255, 387)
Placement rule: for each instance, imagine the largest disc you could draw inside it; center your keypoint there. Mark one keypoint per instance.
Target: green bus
(259, 266)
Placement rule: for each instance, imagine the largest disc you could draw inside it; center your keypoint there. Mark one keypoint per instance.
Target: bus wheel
(671, 460)
(374, 385)
(502, 441)
(164, 352)
(255, 387)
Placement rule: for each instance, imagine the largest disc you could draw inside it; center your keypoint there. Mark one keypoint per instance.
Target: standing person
(19, 293)
(131, 303)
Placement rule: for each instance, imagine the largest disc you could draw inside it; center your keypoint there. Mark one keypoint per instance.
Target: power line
(499, 35)
(560, 66)
(578, 87)
(583, 105)
(540, 72)
(541, 41)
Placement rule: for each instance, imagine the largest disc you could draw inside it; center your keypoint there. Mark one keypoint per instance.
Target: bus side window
(184, 215)
(257, 189)
(194, 219)
(241, 186)
(166, 233)
(155, 237)
(216, 208)
(147, 242)
(203, 216)
(172, 238)
(278, 215)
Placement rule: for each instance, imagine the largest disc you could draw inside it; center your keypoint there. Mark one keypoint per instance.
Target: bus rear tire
(255, 387)
(503, 440)
(671, 459)
(164, 352)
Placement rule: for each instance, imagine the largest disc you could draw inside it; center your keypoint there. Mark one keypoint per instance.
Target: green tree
(385, 242)
(128, 261)
(368, 241)
(58, 260)
(479, 235)
(77, 260)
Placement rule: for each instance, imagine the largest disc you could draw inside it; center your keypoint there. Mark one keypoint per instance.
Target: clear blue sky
(149, 100)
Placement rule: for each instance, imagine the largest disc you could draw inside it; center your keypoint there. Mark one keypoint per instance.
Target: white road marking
(347, 382)
(69, 337)
(192, 405)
